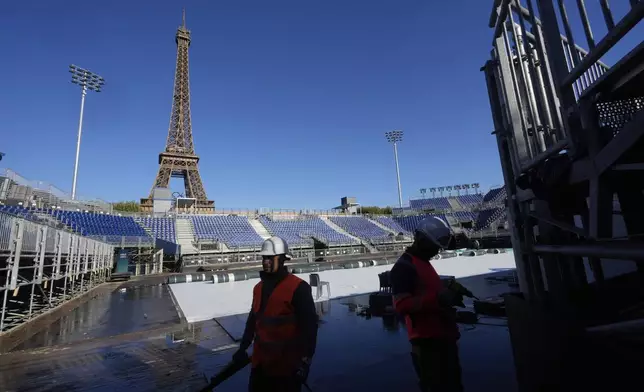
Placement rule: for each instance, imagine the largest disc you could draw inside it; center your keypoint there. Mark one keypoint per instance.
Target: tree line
(134, 206)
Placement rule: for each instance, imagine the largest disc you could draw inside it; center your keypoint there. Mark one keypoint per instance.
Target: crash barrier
(474, 252)
(44, 266)
(215, 277)
(445, 255)
(237, 276)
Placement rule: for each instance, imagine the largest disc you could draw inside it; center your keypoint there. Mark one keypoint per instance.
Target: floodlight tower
(394, 137)
(87, 81)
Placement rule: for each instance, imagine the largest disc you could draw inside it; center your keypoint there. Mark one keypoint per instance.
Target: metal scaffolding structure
(570, 136)
(41, 267)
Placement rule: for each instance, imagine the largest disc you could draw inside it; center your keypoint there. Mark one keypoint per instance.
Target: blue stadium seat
(464, 216)
(487, 217)
(360, 227)
(298, 231)
(496, 194)
(91, 224)
(470, 200)
(18, 211)
(162, 228)
(392, 224)
(234, 231)
(437, 203)
(410, 223)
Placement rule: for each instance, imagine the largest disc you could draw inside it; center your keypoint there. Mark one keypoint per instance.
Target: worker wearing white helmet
(426, 304)
(282, 323)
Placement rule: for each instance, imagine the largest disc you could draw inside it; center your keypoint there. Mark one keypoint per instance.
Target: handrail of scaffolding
(58, 264)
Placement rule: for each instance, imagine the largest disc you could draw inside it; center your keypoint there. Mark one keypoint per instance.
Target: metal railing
(42, 267)
(45, 195)
(126, 241)
(539, 86)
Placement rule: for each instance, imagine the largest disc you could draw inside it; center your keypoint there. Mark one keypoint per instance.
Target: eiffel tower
(179, 159)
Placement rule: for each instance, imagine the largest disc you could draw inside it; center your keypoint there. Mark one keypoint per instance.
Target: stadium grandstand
(206, 237)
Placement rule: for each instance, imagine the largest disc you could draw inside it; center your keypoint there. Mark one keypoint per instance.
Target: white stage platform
(204, 300)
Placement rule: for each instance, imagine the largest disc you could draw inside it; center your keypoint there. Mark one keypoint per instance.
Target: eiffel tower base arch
(185, 167)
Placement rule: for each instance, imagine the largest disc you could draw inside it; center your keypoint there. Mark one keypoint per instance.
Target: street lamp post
(394, 137)
(87, 81)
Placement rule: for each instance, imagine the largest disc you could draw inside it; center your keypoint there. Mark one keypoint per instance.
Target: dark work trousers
(437, 365)
(261, 382)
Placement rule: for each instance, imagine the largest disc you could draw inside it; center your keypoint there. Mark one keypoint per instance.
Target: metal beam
(620, 250)
(561, 225)
(500, 19)
(614, 35)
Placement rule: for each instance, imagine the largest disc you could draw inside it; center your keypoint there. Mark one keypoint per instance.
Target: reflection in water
(391, 323)
(110, 314)
(322, 308)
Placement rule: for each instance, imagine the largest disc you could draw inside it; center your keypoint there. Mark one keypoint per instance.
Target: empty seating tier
(234, 231)
(90, 224)
(496, 194)
(464, 216)
(18, 211)
(298, 231)
(470, 200)
(360, 227)
(438, 203)
(392, 224)
(487, 217)
(410, 223)
(162, 228)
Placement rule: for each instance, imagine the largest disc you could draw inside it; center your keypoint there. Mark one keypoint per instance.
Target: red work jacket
(431, 320)
(277, 346)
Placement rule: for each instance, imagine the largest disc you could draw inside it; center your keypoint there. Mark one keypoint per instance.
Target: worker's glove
(302, 372)
(240, 355)
(449, 298)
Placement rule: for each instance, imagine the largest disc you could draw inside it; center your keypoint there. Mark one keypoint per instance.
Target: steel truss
(42, 267)
(570, 136)
(179, 158)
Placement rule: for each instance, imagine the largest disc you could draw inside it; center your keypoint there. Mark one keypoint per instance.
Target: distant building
(348, 205)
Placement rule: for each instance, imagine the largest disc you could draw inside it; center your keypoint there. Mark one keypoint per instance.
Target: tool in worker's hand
(460, 289)
(228, 371)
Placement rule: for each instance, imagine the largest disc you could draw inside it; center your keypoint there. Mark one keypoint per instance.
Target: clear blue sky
(290, 99)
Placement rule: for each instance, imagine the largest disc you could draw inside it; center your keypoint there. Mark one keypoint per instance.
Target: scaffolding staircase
(259, 228)
(453, 202)
(185, 236)
(570, 134)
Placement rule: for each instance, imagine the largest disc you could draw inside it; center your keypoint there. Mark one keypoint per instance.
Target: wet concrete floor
(133, 340)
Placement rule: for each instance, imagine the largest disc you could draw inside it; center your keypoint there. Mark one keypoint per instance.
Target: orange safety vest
(433, 324)
(277, 346)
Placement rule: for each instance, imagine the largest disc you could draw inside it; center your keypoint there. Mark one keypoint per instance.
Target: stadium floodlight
(87, 81)
(467, 188)
(458, 189)
(476, 186)
(433, 191)
(423, 191)
(395, 137)
(449, 190)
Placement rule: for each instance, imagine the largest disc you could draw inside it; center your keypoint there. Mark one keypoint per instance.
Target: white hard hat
(275, 246)
(436, 230)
